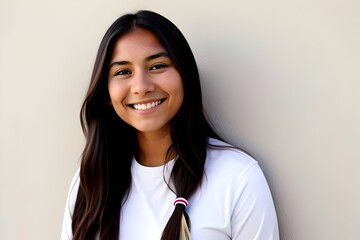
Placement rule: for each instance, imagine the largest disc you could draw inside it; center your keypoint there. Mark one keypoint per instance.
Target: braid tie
(181, 200)
(185, 231)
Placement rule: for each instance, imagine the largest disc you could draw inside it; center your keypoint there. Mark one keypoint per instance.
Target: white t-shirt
(233, 202)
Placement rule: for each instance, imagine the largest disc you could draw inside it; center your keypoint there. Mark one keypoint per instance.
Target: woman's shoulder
(74, 187)
(75, 180)
(230, 163)
(229, 166)
(222, 153)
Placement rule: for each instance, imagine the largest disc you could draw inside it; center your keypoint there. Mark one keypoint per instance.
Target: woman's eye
(122, 72)
(158, 66)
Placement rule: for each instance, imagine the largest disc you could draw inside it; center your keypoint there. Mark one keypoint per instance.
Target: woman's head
(144, 85)
(175, 44)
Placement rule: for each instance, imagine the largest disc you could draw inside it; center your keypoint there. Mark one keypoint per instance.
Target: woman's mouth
(147, 106)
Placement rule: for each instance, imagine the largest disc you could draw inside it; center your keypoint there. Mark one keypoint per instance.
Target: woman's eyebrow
(157, 55)
(119, 63)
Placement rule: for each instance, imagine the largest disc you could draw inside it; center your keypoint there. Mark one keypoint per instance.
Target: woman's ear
(110, 103)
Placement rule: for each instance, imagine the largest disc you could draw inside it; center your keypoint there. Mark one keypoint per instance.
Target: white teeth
(146, 106)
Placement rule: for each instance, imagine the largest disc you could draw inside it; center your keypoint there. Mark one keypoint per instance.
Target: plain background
(280, 79)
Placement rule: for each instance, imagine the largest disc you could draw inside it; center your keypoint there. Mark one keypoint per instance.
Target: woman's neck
(153, 148)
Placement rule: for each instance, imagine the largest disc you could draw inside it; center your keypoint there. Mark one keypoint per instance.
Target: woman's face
(145, 87)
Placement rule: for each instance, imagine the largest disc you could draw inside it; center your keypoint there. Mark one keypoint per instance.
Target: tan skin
(146, 92)
(153, 148)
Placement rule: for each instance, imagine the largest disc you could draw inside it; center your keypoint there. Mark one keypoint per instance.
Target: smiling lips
(147, 106)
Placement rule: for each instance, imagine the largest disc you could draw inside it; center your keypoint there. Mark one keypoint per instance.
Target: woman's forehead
(137, 43)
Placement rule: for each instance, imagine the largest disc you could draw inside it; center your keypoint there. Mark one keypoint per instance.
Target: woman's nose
(141, 84)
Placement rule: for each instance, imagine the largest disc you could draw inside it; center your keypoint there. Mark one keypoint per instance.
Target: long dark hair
(111, 143)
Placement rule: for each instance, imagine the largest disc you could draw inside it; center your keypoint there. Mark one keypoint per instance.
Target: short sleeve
(254, 216)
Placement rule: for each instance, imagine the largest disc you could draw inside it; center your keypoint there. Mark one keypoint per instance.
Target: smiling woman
(152, 167)
(144, 85)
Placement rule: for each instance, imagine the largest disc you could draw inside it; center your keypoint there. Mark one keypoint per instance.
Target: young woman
(152, 167)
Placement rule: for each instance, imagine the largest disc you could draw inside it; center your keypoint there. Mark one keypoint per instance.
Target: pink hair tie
(181, 200)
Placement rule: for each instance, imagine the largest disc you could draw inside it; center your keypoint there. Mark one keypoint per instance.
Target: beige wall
(280, 79)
